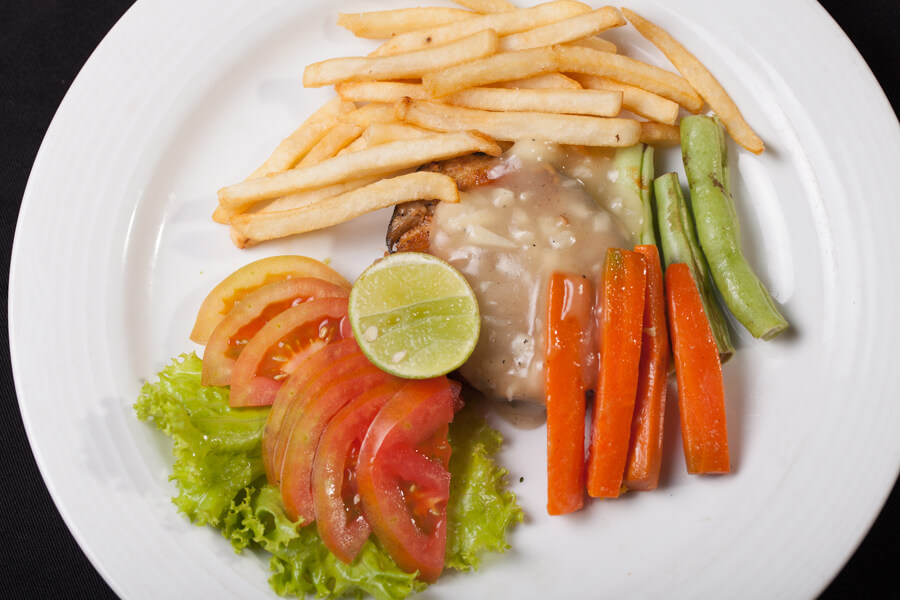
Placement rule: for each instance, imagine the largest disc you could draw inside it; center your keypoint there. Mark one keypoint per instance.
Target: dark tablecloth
(43, 44)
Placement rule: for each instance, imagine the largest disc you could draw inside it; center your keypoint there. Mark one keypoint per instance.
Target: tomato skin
(322, 368)
(281, 345)
(339, 517)
(314, 415)
(297, 397)
(222, 299)
(402, 478)
(249, 315)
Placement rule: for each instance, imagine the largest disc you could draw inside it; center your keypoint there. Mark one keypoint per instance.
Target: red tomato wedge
(282, 344)
(402, 475)
(315, 414)
(297, 396)
(339, 517)
(623, 291)
(325, 362)
(235, 331)
(222, 299)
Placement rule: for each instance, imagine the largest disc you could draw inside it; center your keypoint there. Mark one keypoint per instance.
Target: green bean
(648, 235)
(706, 165)
(627, 165)
(679, 245)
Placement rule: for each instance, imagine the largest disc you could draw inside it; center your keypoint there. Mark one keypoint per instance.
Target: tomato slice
(296, 395)
(327, 362)
(336, 500)
(222, 299)
(235, 331)
(316, 412)
(282, 344)
(402, 475)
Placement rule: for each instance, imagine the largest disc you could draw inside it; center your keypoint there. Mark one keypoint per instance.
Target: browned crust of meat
(467, 171)
(410, 226)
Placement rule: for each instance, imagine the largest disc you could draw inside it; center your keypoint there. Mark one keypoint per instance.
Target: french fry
(499, 67)
(383, 24)
(503, 23)
(409, 65)
(380, 91)
(380, 160)
(660, 134)
(487, 6)
(511, 126)
(339, 137)
(373, 112)
(299, 200)
(384, 133)
(567, 30)
(636, 100)
(256, 227)
(539, 82)
(574, 102)
(295, 146)
(357, 144)
(596, 43)
(702, 80)
(577, 59)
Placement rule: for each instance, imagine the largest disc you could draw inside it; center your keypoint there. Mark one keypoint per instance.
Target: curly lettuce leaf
(481, 509)
(220, 477)
(218, 450)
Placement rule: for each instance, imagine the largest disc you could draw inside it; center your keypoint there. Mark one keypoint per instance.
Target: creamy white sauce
(544, 213)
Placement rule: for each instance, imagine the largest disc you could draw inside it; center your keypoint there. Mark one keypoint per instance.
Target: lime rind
(414, 315)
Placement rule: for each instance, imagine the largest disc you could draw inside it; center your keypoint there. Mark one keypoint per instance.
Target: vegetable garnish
(414, 315)
(220, 478)
(679, 245)
(704, 152)
(570, 308)
(624, 285)
(645, 446)
(701, 391)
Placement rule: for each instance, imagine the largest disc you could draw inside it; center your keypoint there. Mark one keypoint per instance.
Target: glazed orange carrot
(568, 352)
(701, 391)
(624, 284)
(645, 445)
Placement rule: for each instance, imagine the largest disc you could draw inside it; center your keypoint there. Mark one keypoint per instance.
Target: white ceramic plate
(115, 250)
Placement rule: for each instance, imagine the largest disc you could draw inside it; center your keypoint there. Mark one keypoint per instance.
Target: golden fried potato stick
(542, 81)
(660, 134)
(567, 30)
(511, 126)
(577, 59)
(383, 24)
(487, 6)
(409, 65)
(503, 23)
(256, 227)
(702, 80)
(596, 43)
(380, 160)
(499, 67)
(340, 136)
(640, 102)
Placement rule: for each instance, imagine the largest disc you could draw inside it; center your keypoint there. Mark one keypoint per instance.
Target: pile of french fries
(449, 82)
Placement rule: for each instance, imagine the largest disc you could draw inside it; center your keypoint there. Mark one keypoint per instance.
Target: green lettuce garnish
(219, 473)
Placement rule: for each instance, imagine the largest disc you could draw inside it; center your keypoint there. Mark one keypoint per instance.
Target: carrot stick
(624, 283)
(568, 349)
(645, 445)
(701, 391)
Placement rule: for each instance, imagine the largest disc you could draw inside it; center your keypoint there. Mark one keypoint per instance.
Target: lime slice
(414, 315)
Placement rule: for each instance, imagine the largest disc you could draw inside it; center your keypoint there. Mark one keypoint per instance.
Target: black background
(43, 44)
